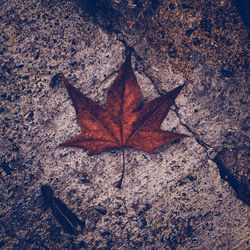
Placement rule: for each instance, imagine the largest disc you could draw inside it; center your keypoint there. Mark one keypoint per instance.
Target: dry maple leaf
(121, 124)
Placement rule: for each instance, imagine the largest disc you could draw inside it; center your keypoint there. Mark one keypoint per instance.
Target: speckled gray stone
(174, 199)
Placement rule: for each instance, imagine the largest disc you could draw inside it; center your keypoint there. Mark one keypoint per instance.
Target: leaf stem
(118, 184)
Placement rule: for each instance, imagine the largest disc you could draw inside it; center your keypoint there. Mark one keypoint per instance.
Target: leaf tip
(180, 136)
(128, 60)
(65, 80)
(61, 145)
(186, 136)
(179, 88)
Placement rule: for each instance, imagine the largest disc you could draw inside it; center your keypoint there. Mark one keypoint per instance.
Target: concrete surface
(175, 199)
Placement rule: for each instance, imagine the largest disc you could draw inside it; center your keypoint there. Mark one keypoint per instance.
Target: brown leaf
(121, 124)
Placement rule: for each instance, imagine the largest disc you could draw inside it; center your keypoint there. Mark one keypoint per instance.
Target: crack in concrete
(195, 135)
(176, 108)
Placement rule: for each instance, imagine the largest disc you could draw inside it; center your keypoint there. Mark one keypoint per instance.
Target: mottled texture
(234, 168)
(173, 199)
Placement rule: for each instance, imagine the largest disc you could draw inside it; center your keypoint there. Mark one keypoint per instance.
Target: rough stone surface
(232, 165)
(173, 199)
